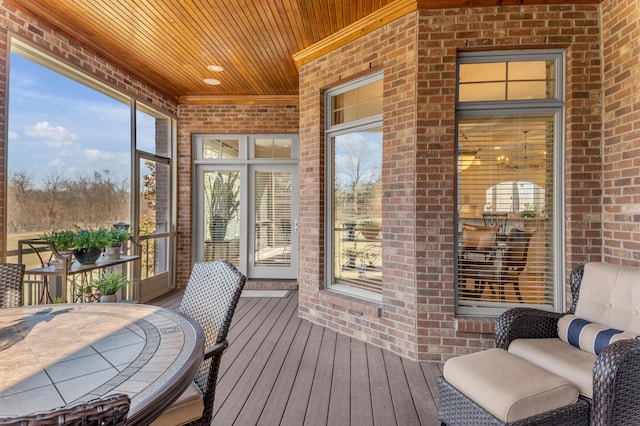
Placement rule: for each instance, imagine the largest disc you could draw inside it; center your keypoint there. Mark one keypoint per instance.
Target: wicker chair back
(11, 282)
(211, 298)
(109, 411)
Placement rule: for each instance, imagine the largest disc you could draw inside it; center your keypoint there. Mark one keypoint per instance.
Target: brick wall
(394, 49)
(621, 113)
(418, 55)
(16, 22)
(216, 119)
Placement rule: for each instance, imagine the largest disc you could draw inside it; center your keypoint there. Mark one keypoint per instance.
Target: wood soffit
(260, 44)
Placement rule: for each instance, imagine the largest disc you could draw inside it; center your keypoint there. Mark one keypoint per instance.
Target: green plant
(530, 211)
(109, 283)
(92, 238)
(223, 190)
(62, 240)
(118, 235)
(351, 254)
(369, 222)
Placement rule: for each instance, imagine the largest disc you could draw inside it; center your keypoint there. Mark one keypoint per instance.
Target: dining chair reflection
(477, 257)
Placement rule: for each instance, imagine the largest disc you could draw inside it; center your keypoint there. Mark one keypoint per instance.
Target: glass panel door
(154, 226)
(221, 214)
(273, 247)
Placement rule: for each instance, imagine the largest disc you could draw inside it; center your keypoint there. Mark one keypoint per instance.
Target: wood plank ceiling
(170, 43)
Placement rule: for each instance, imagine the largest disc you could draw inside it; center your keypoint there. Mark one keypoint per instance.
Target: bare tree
(53, 187)
(21, 200)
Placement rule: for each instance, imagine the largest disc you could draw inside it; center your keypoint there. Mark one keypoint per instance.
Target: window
(354, 225)
(72, 160)
(509, 194)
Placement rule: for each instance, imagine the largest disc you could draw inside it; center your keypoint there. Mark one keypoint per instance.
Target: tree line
(62, 203)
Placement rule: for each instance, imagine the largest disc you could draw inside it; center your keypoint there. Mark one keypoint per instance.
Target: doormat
(264, 293)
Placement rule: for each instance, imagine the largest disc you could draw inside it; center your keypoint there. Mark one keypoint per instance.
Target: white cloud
(55, 136)
(13, 136)
(105, 158)
(57, 164)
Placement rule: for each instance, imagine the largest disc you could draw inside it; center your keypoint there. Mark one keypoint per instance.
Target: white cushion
(506, 386)
(188, 407)
(589, 336)
(610, 295)
(559, 358)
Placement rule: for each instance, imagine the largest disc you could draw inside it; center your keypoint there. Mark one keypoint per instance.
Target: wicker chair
(210, 298)
(109, 411)
(11, 285)
(616, 373)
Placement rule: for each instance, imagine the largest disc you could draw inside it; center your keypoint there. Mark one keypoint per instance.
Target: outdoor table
(53, 355)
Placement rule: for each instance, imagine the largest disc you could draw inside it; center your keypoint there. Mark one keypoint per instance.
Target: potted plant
(351, 254)
(63, 242)
(530, 211)
(90, 243)
(350, 226)
(118, 236)
(108, 284)
(223, 191)
(370, 229)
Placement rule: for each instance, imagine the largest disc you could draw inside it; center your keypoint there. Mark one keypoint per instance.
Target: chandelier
(523, 159)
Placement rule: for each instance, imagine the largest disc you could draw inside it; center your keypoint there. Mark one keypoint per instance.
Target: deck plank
(296, 408)
(271, 329)
(383, 413)
(265, 384)
(282, 370)
(339, 399)
(362, 412)
(318, 411)
(403, 405)
(277, 402)
(425, 404)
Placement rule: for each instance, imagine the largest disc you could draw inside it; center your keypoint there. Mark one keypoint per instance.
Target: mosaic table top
(53, 355)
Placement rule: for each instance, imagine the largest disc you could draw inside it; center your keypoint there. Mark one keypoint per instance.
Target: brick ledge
(354, 305)
(482, 325)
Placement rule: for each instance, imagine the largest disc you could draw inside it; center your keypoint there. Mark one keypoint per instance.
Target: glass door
(273, 246)
(154, 226)
(221, 215)
(246, 204)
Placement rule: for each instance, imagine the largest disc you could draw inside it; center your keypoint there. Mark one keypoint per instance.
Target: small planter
(59, 263)
(108, 298)
(112, 252)
(87, 256)
(370, 232)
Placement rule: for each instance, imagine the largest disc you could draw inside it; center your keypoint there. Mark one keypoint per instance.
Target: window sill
(352, 304)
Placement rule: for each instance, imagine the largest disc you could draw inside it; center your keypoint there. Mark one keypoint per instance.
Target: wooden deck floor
(281, 370)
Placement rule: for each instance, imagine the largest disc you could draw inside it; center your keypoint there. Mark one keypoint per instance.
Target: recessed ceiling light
(212, 81)
(216, 68)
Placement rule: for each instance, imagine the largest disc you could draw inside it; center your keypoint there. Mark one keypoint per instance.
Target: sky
(60, 127)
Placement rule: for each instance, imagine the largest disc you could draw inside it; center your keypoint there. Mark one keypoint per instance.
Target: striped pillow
(588, 336)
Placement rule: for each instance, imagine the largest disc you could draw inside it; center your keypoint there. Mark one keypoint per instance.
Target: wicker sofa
(607, 373)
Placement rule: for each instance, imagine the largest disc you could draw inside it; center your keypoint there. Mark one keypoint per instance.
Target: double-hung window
(509, 181)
